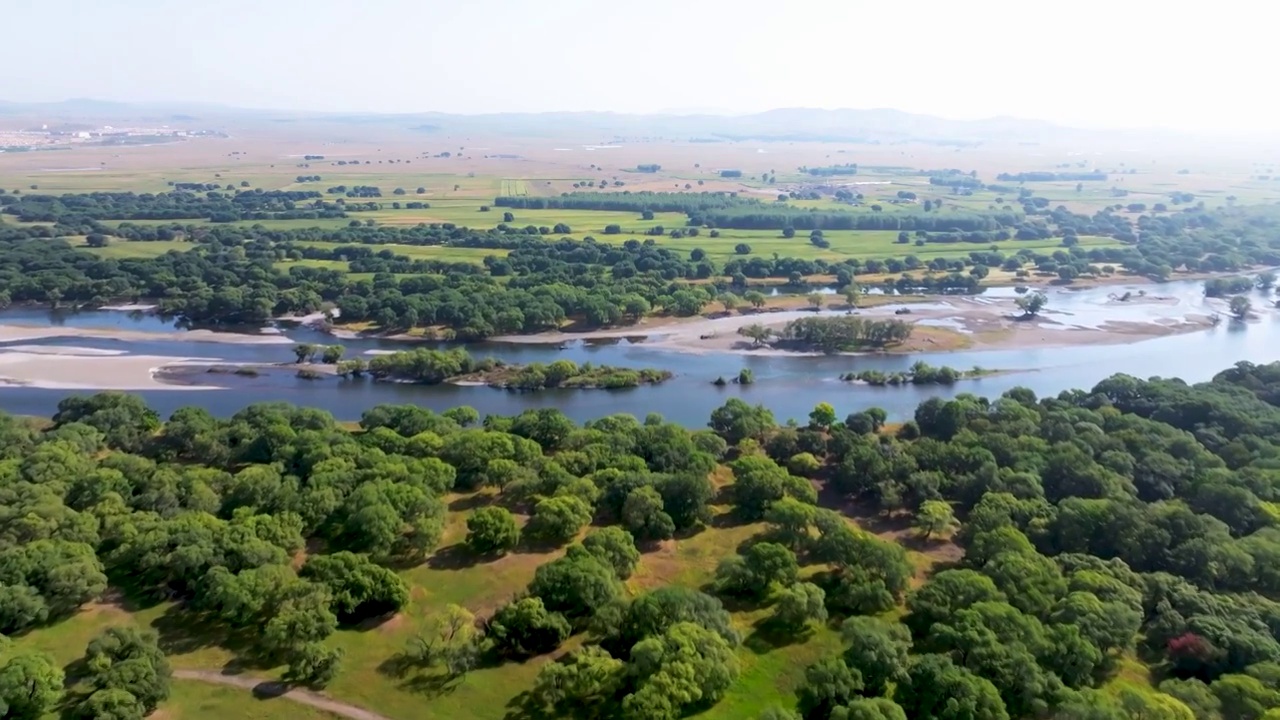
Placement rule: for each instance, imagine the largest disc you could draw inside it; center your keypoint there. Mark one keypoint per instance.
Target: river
(789, 385)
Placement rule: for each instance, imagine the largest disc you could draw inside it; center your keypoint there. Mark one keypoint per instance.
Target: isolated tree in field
(1266, 280)
(815, 300)
(492, 530)
(935, 517)
(756, 298)
(788, 232)
(1241, 307)
(451, 639)
(332, 354)
(587, 677)
(1032, 303)
(729, 301)
(508, 217)
(742, 249)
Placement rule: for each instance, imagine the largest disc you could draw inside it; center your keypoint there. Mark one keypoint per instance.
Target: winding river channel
(789, 385)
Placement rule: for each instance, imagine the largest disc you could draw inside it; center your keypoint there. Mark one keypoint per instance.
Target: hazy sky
(1119, 63)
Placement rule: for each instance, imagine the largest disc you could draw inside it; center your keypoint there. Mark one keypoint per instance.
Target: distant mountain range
(786, 124)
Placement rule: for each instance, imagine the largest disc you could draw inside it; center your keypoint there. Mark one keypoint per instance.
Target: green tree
(878, 650)
(870, 709)
(1240, 307)
(828, 684)
(643, 516)
(358, 588)
(687, 665)
(492, 530)
(526, 627)
(1032, 303)
(936, 689)
(736, 420)
(799, 605)
(935, 517)
(30, 686)
(587, 678)
(577, 584)
(558, 519)
(823, 415)
(332, 354)
(614, 547)
(128, 659)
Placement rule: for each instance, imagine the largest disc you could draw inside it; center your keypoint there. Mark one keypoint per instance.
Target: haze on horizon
(1090, 64)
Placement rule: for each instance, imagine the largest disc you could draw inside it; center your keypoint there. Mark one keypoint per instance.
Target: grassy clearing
(515, 188)
(120, 249)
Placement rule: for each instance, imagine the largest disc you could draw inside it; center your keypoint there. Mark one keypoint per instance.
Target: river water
(789, 385)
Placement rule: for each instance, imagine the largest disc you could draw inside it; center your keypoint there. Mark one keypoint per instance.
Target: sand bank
(76, 369)
(983, 324)
(20, 333)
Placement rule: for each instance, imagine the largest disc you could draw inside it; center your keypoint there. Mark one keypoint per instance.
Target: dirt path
(272, 688)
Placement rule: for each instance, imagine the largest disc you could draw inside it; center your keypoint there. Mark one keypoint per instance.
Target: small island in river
(434, 367)
(920, 373)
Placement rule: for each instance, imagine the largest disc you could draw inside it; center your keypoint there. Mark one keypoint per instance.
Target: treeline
(628, 201)
(842, 333)
(831, 170)
(776, 218)
(1224, 286)
(240, 204)
(1051, 177)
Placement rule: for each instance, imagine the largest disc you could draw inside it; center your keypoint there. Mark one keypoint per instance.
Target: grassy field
(769, 675)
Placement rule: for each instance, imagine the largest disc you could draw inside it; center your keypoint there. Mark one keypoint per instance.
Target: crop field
(514, 188)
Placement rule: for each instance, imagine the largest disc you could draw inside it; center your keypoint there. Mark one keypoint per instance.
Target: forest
(1134, 522)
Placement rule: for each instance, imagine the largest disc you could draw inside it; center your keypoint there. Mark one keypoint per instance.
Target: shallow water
(789, 385)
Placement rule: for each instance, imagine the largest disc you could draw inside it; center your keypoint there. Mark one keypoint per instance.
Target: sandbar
(21, 333)
(978, 324)
(70, 369)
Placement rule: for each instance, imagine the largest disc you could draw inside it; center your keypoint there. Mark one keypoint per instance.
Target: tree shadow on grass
(769, 635)
(471, 502)
(458, 556)
(184, 631)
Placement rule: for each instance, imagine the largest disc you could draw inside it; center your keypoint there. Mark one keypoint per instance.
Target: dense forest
(1132, 522)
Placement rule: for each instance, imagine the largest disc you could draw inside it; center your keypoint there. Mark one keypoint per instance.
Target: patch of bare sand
(21, 333)
(66, 369)
(959, 323)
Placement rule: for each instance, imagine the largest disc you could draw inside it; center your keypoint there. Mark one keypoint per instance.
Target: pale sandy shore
(985, 325)
(72, 368)
(20, 333)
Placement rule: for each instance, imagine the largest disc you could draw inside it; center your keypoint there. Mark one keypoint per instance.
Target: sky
(1190, 65)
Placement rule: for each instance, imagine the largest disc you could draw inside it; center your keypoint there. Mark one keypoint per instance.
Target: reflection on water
(790, 386)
